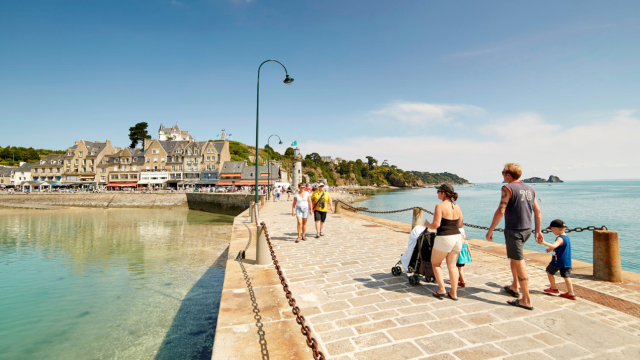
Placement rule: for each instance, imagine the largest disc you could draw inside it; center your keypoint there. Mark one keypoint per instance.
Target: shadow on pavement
(193, 328)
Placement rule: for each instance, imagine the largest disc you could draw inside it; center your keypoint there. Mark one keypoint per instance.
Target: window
(91, 161)
(218, 157)
(195, 152)
(76, 162)
(189, 152)
(124, 176)
(114, 176)
(195, 168)
(189, 168)
(68, 162)
(134, 168)
(179, 167)
(84, 162)
(102, 178)
(207, 158)
(148, 159)
(58, 170)
(135, 159)
(133, 176)
(155, 159)
(50, 169)
(147, 167)
(115, 168)
(162, 167)
(80, 154)
(162, 159)
(102, 170)
(173, 168)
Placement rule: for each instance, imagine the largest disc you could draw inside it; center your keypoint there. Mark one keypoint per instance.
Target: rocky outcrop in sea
(552, 179)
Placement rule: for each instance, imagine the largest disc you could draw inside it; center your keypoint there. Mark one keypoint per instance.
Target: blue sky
(432, 86)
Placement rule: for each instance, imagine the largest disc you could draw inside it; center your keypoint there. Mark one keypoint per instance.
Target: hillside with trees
(13, 155)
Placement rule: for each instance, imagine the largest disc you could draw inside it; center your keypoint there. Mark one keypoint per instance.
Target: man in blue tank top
(517, 205)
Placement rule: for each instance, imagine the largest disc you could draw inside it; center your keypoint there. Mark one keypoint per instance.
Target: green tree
(289, 152)
(138, 133)
(371, 161)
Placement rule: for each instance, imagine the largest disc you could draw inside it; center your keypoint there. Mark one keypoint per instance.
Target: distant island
(552, 179)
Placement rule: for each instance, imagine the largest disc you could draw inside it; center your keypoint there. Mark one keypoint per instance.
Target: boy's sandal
(461, 284)
(552, 291)
(567, 296)
(439, 296)
(516, 302)
(510, 292)
(451, 297)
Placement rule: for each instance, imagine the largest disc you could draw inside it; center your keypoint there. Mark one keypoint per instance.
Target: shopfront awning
(242, 182)
(132, 184)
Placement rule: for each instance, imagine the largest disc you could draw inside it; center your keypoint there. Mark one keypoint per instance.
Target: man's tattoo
(523, 279)
(505, 194)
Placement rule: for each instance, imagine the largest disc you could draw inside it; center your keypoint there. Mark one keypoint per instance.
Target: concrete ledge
(228, 204)
(115, 200)
(237, 332)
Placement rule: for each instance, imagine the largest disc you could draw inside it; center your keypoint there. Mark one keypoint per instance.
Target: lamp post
(269, 165)
(287, 80)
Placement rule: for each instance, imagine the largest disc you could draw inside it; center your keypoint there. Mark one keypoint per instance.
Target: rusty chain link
(545, 231)
(305, 329)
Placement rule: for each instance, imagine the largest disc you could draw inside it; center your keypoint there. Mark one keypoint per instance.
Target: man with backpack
(321, 202)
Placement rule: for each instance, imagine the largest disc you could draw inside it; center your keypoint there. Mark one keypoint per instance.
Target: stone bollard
(262, 200)
(252, 213)
(263, 255)
(338, 207)
(606, 256)
(417, 218)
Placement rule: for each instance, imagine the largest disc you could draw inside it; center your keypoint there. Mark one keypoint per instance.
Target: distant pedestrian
(447, 219)
(561, 260)
(321, 203)
(289, 192)
(517, 205)
(278, 192)
(300, 209)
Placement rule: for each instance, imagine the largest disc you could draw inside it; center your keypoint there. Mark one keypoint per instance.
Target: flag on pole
(217, 136)
(294, 143)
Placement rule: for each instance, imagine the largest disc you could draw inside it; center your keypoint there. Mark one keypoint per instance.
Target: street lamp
(269, 164)
(287, 80)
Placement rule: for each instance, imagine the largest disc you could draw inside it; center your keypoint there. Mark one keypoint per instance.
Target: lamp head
(288, 80)
(280, 143)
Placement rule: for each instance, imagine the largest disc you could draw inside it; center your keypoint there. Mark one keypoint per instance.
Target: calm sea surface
(615, 204)
(114, 284)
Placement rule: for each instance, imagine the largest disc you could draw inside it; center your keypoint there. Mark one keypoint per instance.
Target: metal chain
(306, 331)
(545, 231)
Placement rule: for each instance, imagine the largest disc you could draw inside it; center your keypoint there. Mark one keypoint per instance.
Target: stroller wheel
(416, 279)
(398, 270)
(393, 271)
(431, 280)
(412, 280)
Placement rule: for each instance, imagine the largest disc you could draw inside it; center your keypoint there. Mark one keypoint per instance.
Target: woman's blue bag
(465, 255)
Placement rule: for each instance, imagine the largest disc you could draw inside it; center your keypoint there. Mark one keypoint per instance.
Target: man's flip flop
(439, 296)
(510, 292)
(517, 303)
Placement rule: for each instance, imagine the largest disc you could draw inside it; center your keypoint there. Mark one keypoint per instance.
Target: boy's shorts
(564, 272)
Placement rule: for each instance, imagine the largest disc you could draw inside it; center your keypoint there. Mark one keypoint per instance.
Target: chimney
(116, 149)
(146, 144)
(108, 142)
(76, 142)
(21, 163)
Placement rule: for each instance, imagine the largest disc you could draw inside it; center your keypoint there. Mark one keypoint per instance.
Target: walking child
(463, 258)
(561, 260)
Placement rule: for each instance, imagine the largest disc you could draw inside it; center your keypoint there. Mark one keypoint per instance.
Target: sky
(462, 87)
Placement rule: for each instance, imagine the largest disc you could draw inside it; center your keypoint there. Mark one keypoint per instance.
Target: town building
(173, 134)
(21, 174)
(5, 175)
(122, 169)
(238, 173)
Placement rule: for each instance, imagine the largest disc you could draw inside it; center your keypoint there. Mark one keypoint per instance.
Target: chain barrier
(306, 331)
(545, 231)
(256, 310)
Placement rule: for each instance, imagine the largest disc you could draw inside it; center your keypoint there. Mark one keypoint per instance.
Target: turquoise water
(615, 204)
(110, 284)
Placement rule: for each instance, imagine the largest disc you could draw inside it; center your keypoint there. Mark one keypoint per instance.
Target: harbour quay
(357, 309)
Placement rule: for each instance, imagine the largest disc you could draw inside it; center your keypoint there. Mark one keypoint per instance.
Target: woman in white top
(301, 209)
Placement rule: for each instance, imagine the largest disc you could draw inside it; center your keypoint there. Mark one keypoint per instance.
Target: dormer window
(80, 154)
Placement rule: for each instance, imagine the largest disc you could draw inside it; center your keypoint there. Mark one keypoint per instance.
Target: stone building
(21, 174)
(238, 173)
(121, 169)
(173, 134)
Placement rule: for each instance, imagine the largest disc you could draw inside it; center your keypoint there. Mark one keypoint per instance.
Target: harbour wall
(110, 200)
(228, 204)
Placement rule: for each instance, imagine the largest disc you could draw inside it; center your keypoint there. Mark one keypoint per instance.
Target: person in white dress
(301, 209)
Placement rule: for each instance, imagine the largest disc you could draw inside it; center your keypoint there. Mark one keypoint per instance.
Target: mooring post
(606, 256)
(338, 207)
(262, 248)
(262, 200)
(252, 213)
(417, 218)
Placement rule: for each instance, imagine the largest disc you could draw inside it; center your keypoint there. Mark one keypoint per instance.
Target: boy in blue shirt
(561, 260)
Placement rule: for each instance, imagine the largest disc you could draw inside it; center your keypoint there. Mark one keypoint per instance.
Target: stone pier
(358, 310)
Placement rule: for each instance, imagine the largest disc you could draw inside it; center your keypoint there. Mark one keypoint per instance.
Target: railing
(606, 249)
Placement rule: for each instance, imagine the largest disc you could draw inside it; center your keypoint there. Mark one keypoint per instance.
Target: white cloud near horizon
(423, 113)
(603, 149)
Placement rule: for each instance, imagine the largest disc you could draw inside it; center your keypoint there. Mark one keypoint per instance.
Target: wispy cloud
(580, 152)
(178, 3)
(424, 113)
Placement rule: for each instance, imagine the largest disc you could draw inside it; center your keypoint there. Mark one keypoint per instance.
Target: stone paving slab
(358, 310)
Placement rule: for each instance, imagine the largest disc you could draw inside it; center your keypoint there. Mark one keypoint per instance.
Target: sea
(611, 203)
(110, 283)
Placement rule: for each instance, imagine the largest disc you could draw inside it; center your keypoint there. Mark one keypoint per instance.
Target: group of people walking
(517, 205)
(306, 202)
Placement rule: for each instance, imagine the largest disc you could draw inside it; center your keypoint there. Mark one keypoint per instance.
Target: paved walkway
(358, 310)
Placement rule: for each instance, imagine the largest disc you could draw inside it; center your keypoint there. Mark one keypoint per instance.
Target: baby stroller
(417, 257)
